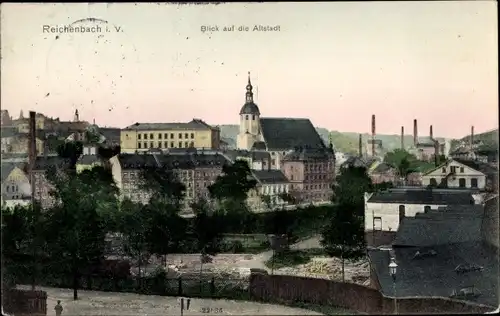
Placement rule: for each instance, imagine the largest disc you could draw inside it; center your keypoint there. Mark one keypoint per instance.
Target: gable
(16, 175)
(438, 172)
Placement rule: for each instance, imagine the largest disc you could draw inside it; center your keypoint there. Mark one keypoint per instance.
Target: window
(151, 136)
(139, 145)
(443, 170)
(159, 144)
(159, 136)
(8, 188)
(273, 161)
(138, 136)
(165, 145)
(461, 183)
(151, 145)
(377, 223)
(461, 169)
(165, 136)
(253, 117)
(171, 135)
(145, 136)
(186, 144)
(427, 208)
(401, 213)
(433, 182)
(444, 183)
(186, 136)
(473, 182)
(191, 145)
(180, 144)
(453, 169)
(180, 135)
(246, 117)
(172, 144)
(192, 135)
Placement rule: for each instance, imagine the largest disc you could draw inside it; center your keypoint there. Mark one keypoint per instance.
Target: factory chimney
(472, 138)
(360, 146)
(402, 137)
(373, 135)
(32, 140)
(430, 132)
(415, 133)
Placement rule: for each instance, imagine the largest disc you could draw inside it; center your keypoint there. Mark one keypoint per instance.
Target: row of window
(165, 136)
(144, 145)
(462, 182)
(248, 116)
(11, 188)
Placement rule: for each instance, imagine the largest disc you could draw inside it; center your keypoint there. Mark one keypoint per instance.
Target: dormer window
(253, 117)
(246, 117)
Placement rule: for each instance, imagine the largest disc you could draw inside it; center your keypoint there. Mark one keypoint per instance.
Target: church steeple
(249, 94)
(77, 117)
(21, 115)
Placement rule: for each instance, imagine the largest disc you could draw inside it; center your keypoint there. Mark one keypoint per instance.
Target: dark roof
(43, 162)
(194, 124)
(452, 225)
(435, 275)
(250, 108)
(301, 154)
(171, 161)
(233, 154)
(259, 146)
(7, 168)
(356, 161)
(269, 176)
(424, 196)
(8, 132)
(382, 168)
(288, 133)
(111, 134)
(88, 159)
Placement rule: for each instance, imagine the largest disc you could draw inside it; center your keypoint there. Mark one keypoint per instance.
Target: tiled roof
(194, 124)
(452, 225)
(423, 196)
(288, 133)
(435, 275)
(43, 162)
(188, 161)
(269, 176)
(301, 154)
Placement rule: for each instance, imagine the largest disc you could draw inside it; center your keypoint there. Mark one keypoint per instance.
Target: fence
(286, 289)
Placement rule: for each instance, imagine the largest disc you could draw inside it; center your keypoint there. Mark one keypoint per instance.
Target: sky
(334, 63)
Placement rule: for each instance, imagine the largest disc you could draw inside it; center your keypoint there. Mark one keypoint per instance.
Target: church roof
(250, 108)
(288, 133)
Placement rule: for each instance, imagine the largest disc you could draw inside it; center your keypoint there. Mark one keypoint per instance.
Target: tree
(343, 235)
(70, 151)
(162, 185)
(235, 182)
(403, 161)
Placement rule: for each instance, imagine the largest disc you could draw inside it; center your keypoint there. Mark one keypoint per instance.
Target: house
(272, 185)
(439, 254)
(88, 159)
(8, 135)
(380, 172)
(386, 209)
(16, 188)
(456, 173)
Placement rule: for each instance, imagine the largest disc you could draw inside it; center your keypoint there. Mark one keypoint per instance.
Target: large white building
(385, 210)
(457, 174)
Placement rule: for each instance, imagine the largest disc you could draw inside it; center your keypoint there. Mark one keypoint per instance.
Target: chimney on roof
(360, 146)
(402, 137)
(430, 132)
(472, 138)
(415, 133)
(373, 135)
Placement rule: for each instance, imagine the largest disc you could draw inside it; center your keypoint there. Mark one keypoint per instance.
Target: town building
(272, 186)
(456, 173)
(43, 187)
(439, 254)
(8, 135)
(141, 137)
(278, 136)
(385, 210)
(195, 171)
(16, 188)
(381, 172)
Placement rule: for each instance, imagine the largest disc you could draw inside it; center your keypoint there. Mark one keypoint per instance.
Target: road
(124, 304)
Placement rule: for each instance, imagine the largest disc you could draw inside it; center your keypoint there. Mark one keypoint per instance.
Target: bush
(236, 246)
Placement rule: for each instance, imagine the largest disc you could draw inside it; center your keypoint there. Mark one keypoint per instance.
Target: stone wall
(23, 302)
(288, 289)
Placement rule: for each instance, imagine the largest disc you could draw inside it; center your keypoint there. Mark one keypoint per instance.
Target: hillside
(343, 142)
(490, 140)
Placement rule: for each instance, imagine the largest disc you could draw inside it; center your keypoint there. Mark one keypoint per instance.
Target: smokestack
(32, 140)
(360, 146)
(436, 153)
(415, 133)
(471, 137)
(373, 135)
(402, 137)
(430, 132)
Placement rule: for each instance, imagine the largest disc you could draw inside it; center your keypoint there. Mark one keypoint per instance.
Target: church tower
(77, 117)
(249, 120)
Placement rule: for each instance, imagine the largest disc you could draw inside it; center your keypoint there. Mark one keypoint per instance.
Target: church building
(278, 136)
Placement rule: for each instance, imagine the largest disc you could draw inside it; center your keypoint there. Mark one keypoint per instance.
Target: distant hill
(343, 142)
(489, 139)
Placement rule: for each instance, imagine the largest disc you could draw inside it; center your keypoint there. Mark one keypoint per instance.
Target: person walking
(58, 308)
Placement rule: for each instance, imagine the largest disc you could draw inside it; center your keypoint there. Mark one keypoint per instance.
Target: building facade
(455, 174)
(43, 187)
(141, 137)
(15, 182)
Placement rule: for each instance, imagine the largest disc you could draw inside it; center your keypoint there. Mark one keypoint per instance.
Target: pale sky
(334, 63)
